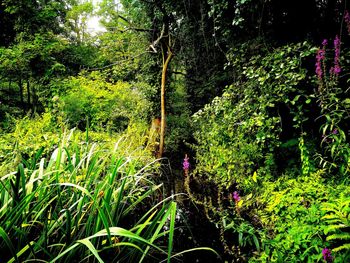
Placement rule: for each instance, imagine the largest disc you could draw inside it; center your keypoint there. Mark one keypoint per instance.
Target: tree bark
(21, 92)
(9, 90)
(28, 93)
(162, 103)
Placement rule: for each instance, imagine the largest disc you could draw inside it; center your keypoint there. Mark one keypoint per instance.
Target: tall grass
(83, 203)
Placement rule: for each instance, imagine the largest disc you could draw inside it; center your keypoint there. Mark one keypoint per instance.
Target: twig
(120, 61)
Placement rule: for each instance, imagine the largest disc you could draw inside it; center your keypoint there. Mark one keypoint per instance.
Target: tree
(77, 18)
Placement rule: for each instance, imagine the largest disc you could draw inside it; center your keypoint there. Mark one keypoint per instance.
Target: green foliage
(337, 218)
(30, 135)
(84, 200)
(77, 17)
(333, 101)
(62, 195)
(307, 164)
(238, 133)
(31, 17)
(242, 137)
(76, 196)
(178, 127)
(27, 137)
(122, 56)
(104, 105)
(291, 216)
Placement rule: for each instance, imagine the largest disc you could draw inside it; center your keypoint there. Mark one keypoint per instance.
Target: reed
(85, 203)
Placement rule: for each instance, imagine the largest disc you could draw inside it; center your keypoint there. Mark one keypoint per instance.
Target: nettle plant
(334, 104)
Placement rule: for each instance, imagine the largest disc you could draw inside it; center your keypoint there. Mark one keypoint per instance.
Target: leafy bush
(259, 129)
(239, 132)
(29, 135)
(291, 215)
(102, 104)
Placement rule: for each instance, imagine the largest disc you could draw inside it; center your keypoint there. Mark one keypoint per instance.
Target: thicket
(273, 152)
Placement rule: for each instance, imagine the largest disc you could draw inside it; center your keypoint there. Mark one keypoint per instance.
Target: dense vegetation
(191, 131)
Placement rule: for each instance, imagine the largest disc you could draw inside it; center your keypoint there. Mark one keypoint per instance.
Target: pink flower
(336, 69)
(319, 58)
(236, 196)
(347, 20)
(327, 255)
(186, 163)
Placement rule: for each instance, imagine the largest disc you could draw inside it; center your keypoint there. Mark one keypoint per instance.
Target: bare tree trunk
(9, 90)
(21, 91)
(28, 93)
(162, 103)
(34, 100)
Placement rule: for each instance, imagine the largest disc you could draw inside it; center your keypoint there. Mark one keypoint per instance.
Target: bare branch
(120, 61)
(179, 73)
(155, 43)
(131, 28)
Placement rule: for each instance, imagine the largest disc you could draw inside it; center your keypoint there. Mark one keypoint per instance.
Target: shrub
(103, 105)
(291, 216)
(239, 132)
(259, 129)
(41, 133)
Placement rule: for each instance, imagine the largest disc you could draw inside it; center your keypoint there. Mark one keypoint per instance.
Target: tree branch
(119, 61)
(155, 43)
(179, 73)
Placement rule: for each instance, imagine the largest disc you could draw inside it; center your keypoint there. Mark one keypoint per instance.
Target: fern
(332, 228)
(339, 236)
(338, 223)
(342, 247)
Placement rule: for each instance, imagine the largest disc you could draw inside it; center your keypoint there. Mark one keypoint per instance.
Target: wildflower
(335, 131)
(327, 255)
(336, 69)
(236, 196)
(347, 20)
(319, 58)
(186, 164)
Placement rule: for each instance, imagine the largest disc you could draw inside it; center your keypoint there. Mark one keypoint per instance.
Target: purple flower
(319, 58)
(324, 42)
(336, 42)
(186, 163)
(335, 131)
(327, 255)
(347, 20)
(336, 69)
(236, 196)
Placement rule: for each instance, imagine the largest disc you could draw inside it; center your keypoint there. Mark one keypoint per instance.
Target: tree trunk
(9, 90)
(162, 103)
(21, 92)
(34, 100)
(28, 93)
